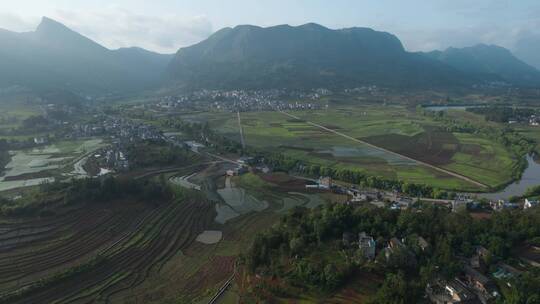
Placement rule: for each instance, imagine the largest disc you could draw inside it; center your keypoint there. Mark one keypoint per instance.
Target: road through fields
(451, 173)
(241, 130)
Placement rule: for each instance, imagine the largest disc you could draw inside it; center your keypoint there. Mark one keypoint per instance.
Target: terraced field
(142, 252)
(97, 252)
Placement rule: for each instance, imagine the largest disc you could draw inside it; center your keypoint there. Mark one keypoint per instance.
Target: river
(529, 178)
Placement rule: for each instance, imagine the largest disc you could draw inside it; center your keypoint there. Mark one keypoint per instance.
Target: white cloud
(115, 27)
(506, 36)
(16, 23)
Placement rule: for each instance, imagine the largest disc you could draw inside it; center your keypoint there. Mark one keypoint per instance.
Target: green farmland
(393, 128)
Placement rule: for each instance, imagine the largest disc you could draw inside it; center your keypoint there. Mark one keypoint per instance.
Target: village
(245, 100)
(474, 284)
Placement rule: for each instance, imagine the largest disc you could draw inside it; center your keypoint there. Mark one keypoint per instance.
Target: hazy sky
(166, 25)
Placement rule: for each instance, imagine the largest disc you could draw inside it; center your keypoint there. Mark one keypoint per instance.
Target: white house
(530, 203)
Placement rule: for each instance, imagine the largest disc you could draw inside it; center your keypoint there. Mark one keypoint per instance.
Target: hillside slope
(489, 62)
(53, 56)
(305, 56)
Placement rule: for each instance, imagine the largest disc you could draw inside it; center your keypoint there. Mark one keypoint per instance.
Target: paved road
(172, 169)
(470, 180)
(241, 130)
(223, 288)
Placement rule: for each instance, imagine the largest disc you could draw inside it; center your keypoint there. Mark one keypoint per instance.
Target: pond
(366, 151)
(210, 237)
(236, 202)
(24, 164)
(453, 107)
(529, 178)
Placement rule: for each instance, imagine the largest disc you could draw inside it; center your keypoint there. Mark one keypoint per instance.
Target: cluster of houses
(117, 128)
(244, 100)
(323, 183)
(115, 158)
(502, 204)
(243, 166)
(110, 158)
(532, 120)
(122, 133)
(476, 282)
(472, 285)
(398, 201)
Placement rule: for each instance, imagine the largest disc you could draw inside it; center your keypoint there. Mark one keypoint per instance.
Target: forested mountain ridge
(306, 56)
(489, 62)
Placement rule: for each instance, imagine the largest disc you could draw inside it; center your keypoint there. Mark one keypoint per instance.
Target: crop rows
(133, 242)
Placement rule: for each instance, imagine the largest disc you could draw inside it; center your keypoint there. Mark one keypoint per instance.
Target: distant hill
(528, 50)
(53, 56)
(489, 62)
(306, 56)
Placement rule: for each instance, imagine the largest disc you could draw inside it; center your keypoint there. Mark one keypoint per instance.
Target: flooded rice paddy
(24, 165)
(366, 151)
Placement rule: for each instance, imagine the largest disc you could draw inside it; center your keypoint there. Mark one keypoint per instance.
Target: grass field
(394, 128)
(12, 114)
(532, 132)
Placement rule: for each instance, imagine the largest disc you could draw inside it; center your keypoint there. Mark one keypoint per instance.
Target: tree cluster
(282, 162)
(155, 153)
(300, 248)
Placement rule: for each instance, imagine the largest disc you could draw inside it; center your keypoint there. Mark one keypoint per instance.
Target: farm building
(325, 182)
(450, 292)
(366, 244)
(40, 140)
(244, 160)
(237, 171)
(422, 243)
(322, 183)
(502, 204)
(484, 287)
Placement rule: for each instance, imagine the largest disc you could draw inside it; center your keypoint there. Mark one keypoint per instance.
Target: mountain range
(489, 62)
(306, 56)
(54, 56)
(246, 56)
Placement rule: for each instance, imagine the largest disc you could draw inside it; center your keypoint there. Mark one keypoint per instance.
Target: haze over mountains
(53, 56)
(307, 56)
(489, 62)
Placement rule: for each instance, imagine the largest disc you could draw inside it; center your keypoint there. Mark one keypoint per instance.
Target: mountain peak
(314, 26)
(55, 33)
(48, 25)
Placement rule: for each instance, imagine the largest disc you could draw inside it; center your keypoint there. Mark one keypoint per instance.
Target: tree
(296, 245)
(394, 290)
